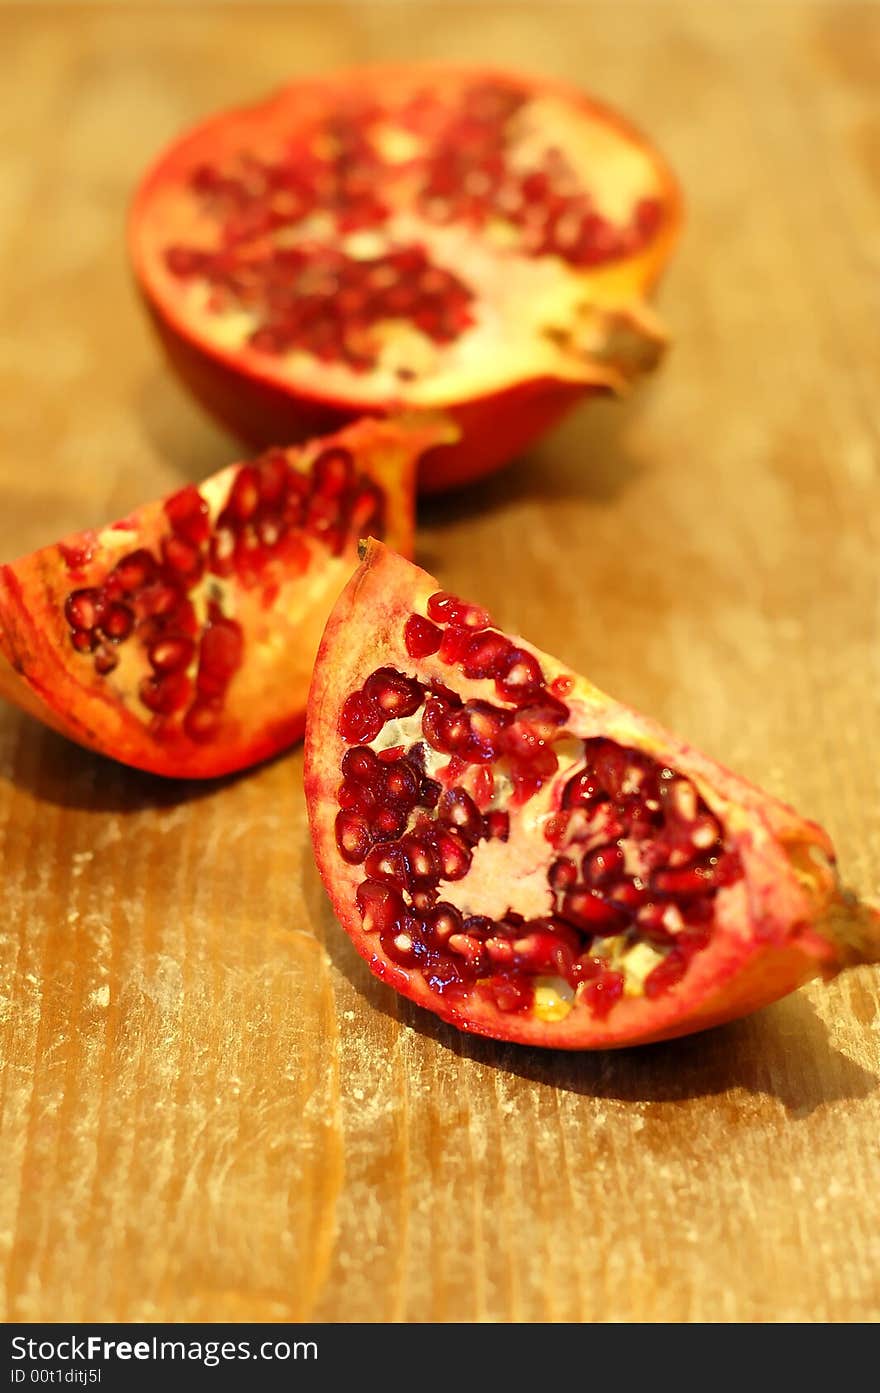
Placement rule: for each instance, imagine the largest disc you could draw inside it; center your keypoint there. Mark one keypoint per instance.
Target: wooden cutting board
(209, 1108)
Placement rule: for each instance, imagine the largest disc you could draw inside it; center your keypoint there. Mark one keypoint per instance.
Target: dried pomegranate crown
(430, 237)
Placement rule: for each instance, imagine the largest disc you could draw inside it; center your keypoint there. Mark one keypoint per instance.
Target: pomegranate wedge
(181, 639)
(478, 242)
(533, 861)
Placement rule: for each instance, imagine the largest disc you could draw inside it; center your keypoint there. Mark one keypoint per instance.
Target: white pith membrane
(534, 315)
(511, 876)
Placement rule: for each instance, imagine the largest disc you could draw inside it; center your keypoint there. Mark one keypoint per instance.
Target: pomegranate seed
(84, 640)
(586, 909)
(666, 974)
(381, 907)
(132, 573)
(396, 695)
(202, 721)
(360, 719)
(421, 637)
(602, 993)
(353, 836)
(457, 810)
(388, 863)
(360, 763)
(498, 825)
(220, 655)
(523, 679)
(83, 609)
(487, 655)
(167, 694)
(602, 866)
(187, 512)
(454, 854)
(171, 654)
(449, 609)
(332, 472)
(244, 495)
(273, 472)
(182, 557)
(117, 622)
(454, 644)
(105, 661)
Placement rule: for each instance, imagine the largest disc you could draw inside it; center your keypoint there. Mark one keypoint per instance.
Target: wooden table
(209, 1108)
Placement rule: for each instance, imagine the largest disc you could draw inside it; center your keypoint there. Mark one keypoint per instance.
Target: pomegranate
(407, 237)
(181, 639)
(530, 859)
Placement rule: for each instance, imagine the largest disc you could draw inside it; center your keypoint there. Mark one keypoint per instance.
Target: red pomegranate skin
(769, 913)
(181, 639)
(594, 333)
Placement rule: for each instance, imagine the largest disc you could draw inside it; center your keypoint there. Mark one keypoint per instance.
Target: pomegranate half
(181, 639)
(407, 237)
(530, 859)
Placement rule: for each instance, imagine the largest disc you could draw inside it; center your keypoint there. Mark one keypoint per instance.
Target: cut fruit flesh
(533, 861)
(431, 237)
(181, 639)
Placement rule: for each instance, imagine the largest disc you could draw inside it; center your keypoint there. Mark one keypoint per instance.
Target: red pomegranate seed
(202, 721)
(602, 866)
(454, 643)
(421, 637)
(182, 557)
(171, 654)
(562, 875)
(167, 694)
(83, 608)
(84, 640)
(360, 763)
(581, 791)
(683, 884)
(487, 655)
(220, 655)
(498, 825)
(244, 495)
(666, 974)
(454, 854)
(360, 719)
(332, 472)
(602, 993)
(587, 910)
(381, 906)
(187, 512)
(117, 622)
(387, 862)
(523, 678)
(273, 472)
(105, 660)
(389, 821)
(353, 836)
(398, 696)
(458, 810)
(132, 573)
(449, 609)
(401, 782)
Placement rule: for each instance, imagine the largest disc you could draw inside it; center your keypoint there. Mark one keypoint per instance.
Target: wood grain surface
(209, 1109)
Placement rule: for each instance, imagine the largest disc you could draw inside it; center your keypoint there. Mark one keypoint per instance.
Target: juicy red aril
(396, 695)
(421, 637)
(83, 609)
(220, 655)
(132, 573)
(353, 836)
(187, 512)
(171, 654)
(165, 695)
(381, 906)
(486, 655)
(444, 608)
(117, 622)
(360, 719)
(522, 677)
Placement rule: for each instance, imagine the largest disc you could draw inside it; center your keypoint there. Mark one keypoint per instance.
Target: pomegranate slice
(181, 639)
(533, 861)
(478, 242)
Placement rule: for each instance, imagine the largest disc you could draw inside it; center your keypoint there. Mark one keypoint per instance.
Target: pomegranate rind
(264, 709)
(785, 921)
(265, 401)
